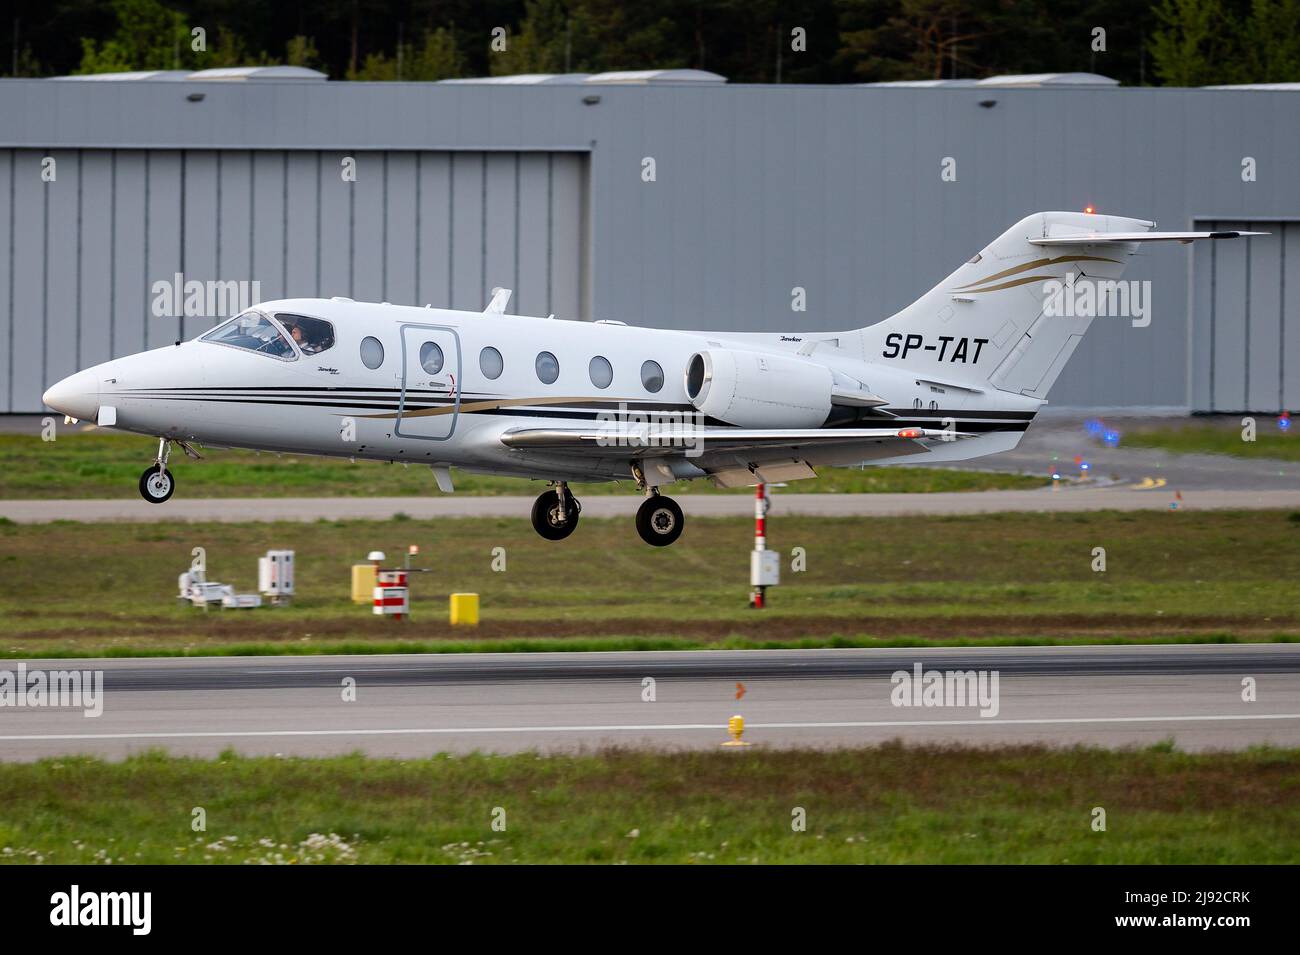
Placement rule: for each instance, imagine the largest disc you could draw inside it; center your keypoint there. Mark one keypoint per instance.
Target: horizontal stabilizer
(1100, 238)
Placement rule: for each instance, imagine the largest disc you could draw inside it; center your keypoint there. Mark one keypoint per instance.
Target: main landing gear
(659, 519)
(157, 483)
(555, 513)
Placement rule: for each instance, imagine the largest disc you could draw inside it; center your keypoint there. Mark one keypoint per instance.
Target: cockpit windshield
(253, 331)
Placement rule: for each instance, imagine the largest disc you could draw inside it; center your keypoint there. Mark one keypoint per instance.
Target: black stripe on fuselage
(393, 394)
(971, 422)
(376, 394)
(282, 402)
(302, 403)
(269, 388)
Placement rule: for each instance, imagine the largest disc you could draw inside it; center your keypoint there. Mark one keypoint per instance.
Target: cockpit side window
(312, 335)
(253, 331)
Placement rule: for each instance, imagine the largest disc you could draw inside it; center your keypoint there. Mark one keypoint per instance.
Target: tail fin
(990, 324)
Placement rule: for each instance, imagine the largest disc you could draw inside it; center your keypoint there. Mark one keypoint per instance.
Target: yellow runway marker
(736, 727)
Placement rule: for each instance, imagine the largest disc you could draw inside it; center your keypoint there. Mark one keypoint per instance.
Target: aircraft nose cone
(76, 396)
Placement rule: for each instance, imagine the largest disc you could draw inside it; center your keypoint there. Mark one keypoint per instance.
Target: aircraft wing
(735, 457)
(637, 442)
(1100, 238)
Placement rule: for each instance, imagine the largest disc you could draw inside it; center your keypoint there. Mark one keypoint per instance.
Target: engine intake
(758, 390)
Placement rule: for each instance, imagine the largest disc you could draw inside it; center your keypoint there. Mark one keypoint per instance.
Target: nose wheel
(157, 485)
(555, 513)
(659, 520)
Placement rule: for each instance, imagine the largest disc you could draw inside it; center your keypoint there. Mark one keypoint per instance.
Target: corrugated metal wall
(758, 189)
(415, 227)
(1246, 320)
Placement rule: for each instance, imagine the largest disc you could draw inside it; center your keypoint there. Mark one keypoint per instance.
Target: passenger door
(431, 363)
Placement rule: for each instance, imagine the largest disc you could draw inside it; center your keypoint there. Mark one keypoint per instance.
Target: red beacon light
(911, 433)
(1089, 210)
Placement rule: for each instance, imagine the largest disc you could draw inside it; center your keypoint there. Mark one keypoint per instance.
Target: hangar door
(1246, 319)
(82, 251)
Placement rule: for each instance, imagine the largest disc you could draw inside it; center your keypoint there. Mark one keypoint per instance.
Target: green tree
(435, 58)
(301, 51)
(438, 57)
(148, 37)
(592, 36)
(922, 40)
(1271, 42)
(543, 43)
(230, 49)
(26, 63)
(1195, 44)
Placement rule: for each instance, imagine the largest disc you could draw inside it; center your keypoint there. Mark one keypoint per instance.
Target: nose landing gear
(555, 513)
(157, 483)
(156, 486)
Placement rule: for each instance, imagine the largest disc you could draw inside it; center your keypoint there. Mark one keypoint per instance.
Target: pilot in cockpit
(309, 334)
(300, 338)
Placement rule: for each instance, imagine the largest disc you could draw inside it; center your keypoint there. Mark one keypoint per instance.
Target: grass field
(886, 804)
(1218, 435)
(69, 589)
(94, 464)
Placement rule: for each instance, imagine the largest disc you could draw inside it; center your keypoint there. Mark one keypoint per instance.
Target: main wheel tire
(157, 488)
(659, 520)
(546, 515)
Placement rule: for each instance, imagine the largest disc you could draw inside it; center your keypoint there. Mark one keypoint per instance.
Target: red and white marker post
(764, 564)
(392, 595)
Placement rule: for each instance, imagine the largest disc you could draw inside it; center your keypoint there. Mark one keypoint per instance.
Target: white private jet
(958, 374)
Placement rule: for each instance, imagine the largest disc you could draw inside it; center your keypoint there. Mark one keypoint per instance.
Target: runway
(416, 705)
(225, 510)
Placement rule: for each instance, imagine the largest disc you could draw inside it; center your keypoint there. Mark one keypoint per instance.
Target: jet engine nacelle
(757, 390)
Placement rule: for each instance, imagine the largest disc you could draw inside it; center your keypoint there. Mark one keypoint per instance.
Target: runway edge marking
(450, 731)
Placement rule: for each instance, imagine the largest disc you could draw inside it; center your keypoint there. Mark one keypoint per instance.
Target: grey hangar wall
(758, 189)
